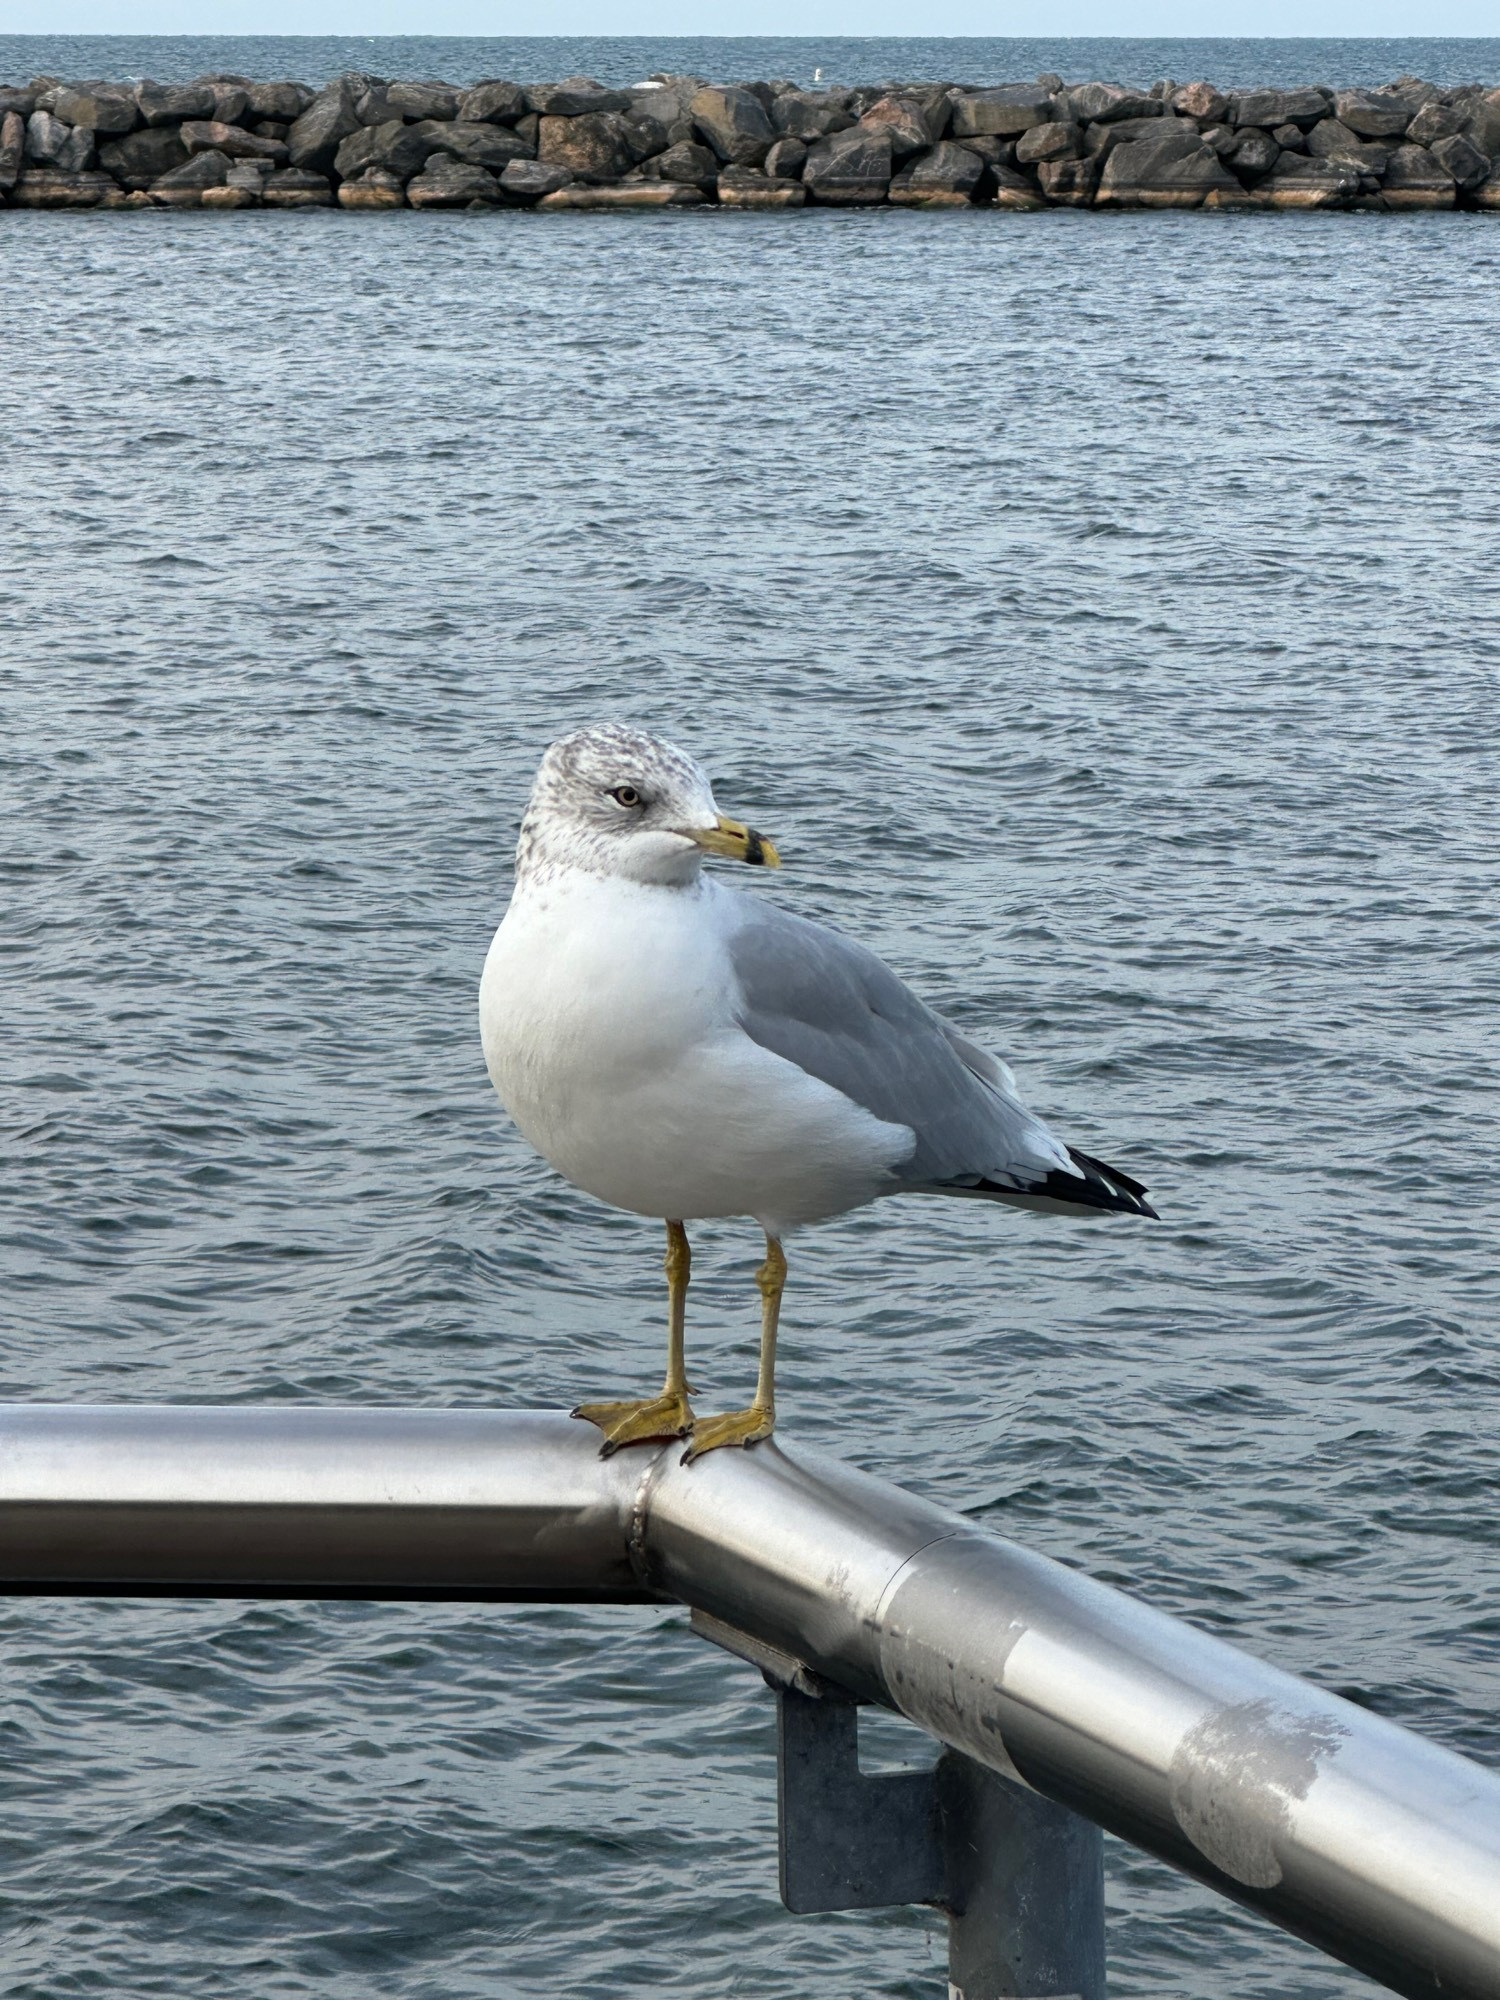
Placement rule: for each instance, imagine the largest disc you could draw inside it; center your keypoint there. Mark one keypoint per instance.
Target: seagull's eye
(627, 795)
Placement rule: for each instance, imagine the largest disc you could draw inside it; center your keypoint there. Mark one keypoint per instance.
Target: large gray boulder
(1462, 158)
(1415, 179)
(494, 103)
(231, 98)
(203, 135)
(596, 146)
(492, 146)
(1254, 154)
(1487, 194)
(809, 115)
(1331, 139)
(21, 100)
(688, 164)
(849, 169)
(1436, 120)
(144, 156)
(1200, 101)
(417, 101)
(1052, 141)
(374, 106)
(1374, 114)
(1270, 108)
(170, 103)
(314, 137)
(904, 120)
(51, 143)
(12, 148)
(1108, 103)
(1101, 140)
(734, 122)
(1298, 180)
(786, 160)
(1483, 123)
(393, 148)
(574, 97)
(653, 128)
(99, 107)
(283, 102)
(182, 187)
(525, 181)
(1175, 170)
(448, 183)
(1004, 113)
(945, 169)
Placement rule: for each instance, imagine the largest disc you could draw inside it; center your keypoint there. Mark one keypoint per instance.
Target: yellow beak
(740, 842)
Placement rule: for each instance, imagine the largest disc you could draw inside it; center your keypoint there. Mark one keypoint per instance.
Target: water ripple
(1102, 612)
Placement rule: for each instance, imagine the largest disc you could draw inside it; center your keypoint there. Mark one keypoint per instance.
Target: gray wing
(827, 1004)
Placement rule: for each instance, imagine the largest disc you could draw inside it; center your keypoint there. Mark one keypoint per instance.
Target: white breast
(607, 1013)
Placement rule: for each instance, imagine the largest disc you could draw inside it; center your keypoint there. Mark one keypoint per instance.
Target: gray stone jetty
(365, 143)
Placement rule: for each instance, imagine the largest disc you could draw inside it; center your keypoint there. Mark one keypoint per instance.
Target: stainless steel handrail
(1373, 1843)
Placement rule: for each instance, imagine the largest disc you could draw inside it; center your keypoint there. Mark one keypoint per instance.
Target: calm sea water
(1102, 613)
(622, 59)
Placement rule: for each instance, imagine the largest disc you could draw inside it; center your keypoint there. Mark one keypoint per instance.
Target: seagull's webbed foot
(641, 1421)
(739, 1427)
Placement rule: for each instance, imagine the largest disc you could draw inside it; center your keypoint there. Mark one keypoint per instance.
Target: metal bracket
(1022, 1879)
(849, 1841)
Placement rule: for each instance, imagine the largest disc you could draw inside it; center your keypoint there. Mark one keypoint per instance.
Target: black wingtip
(1108, 1187)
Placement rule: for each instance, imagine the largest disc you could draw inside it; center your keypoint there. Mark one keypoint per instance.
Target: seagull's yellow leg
(750, 1426)
(667, 1415)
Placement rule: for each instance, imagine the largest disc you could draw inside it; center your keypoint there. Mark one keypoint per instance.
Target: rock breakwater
(366, 142)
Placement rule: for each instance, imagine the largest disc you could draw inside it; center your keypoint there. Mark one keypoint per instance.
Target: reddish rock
(1200, 101)
(595, 146)
(905, 123)
(12, 148)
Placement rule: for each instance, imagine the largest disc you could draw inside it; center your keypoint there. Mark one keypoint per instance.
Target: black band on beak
(755, 850)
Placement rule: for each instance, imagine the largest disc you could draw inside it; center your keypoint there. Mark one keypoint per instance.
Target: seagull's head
(613, 801)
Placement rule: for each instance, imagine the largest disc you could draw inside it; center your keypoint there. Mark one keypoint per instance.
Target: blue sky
(747, 17)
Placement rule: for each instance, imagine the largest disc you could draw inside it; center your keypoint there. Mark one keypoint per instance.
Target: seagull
(680, 1049)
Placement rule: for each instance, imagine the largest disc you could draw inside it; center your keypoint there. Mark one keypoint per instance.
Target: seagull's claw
(647, 1421)
(739, 1427)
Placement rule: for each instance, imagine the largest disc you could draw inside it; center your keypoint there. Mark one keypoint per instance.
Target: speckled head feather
(611, 800)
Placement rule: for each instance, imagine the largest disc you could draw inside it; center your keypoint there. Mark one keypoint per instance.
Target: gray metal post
(1025, 1891)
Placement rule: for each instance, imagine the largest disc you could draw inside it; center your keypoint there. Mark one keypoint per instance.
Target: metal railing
(1375, 1845)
